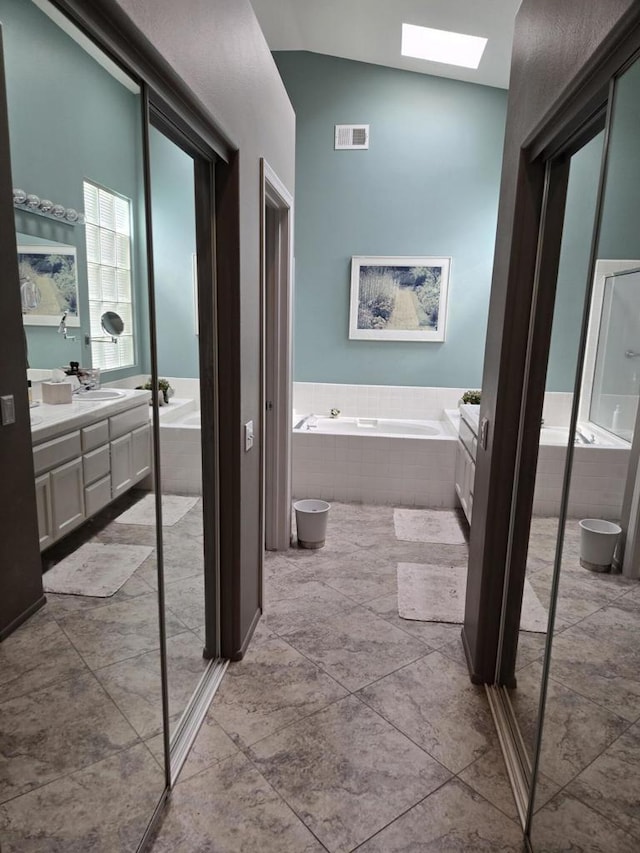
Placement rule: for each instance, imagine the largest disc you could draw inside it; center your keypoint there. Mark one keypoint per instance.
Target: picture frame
(48, 284)
(399, 298)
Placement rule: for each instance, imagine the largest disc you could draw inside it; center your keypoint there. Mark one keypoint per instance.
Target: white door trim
(276, 354)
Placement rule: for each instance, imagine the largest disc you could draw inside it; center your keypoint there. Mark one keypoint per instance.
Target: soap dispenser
(615, 420)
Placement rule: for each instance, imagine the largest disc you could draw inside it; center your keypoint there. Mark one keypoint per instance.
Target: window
(108, 232)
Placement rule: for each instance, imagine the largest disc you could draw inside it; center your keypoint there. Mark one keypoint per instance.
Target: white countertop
(48, 421)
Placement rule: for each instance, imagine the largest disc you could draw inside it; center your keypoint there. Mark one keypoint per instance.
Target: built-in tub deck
(412, 463)
(180, 446)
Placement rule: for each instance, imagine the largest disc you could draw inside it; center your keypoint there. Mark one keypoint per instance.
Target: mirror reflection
(555, 438)
(174, 247)
(589, 746)
(82, 693)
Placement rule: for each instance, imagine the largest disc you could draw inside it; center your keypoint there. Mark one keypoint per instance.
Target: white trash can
(598, 540)
(311, 522)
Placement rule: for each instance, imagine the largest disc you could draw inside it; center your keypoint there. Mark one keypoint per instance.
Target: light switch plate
(248, 436)
(7, 409)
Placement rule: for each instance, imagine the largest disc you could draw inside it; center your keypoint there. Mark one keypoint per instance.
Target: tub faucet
(585, 438)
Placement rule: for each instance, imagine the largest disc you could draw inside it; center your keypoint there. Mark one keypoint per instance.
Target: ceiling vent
(350, 137)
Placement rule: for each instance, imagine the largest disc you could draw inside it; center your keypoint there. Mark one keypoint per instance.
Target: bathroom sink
(100, 394)
(35, 420)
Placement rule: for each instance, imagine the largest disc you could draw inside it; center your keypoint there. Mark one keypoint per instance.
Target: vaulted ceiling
(370, 30)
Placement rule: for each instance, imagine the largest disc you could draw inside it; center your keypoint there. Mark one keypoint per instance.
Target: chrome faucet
(583, 437)
(62, 329)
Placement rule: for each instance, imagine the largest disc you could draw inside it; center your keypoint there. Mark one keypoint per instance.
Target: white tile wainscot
(379, 470)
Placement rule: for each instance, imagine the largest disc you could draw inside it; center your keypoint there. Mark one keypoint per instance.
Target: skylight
(442, 46)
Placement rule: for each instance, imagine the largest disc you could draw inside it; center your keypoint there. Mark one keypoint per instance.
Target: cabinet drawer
(95, 435)
(127, 421)
(97, 495)
(95, 464)
(55, 452)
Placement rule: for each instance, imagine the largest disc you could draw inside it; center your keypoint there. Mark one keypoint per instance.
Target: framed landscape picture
(48, 284)
(399, 299)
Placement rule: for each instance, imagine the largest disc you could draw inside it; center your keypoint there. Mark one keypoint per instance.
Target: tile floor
(347, 728)
(80, 697)
(344, 728)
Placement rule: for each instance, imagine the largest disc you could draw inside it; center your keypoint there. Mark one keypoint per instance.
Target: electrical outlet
(248, 436)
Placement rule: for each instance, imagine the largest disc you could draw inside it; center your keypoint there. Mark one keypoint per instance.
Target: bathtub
(598, 475)
(374, 460)
(180, 447)
(383, 427)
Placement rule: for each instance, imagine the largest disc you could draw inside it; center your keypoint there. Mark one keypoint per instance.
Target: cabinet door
(121, 465)
(43, 504)
(67, 497)
(141, 451)
(461, 458)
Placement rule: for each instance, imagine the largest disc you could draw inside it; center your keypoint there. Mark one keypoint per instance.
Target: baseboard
(240, 653)
(475, 678)
(15, 623)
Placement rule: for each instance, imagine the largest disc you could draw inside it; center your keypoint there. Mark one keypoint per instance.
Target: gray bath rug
(437, 526)
(95, 569)
(437, 593)
(174, 507)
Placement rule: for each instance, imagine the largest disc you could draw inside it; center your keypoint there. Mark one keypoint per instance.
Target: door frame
(276, 351)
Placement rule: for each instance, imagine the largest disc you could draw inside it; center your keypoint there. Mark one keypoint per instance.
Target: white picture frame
(399, 298)
(48, 284)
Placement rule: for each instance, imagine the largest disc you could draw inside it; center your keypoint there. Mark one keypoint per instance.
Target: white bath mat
(437, 526)
(174, 507)
(95, 569)
(437, 593)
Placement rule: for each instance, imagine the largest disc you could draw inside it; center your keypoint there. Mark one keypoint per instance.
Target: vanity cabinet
(130, 459)
(465, 475)
(43, 504)
(67, 497)
(80, 471)
(465, 470)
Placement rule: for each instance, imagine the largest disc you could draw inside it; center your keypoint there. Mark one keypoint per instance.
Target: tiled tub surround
(598, 478)
(421, 471)
(378, 469)
(180, 446)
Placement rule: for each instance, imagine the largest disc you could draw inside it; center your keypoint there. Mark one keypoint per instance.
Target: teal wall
(68, 119)
(573, 269)
(428, 185)
(174, 243)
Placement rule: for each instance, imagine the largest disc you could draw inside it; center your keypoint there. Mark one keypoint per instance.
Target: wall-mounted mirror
(112, 324)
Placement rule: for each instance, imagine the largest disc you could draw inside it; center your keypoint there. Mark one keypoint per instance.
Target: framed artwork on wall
(399, 299)
(48, 284)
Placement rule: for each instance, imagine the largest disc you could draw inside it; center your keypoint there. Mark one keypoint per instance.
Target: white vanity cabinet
(465, 474)
(80, 471)
(130, 435)
(465, 470)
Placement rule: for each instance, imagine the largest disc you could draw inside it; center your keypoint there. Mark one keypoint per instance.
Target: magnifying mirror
(113, 324)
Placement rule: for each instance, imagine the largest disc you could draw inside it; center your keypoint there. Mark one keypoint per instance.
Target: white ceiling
(370, 31)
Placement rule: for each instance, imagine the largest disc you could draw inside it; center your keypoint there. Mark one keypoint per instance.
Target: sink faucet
(62, 329)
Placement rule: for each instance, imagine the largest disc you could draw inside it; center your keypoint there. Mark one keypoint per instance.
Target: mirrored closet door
(587, 773)
(568, 672)
(82, 715)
